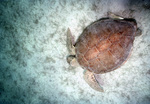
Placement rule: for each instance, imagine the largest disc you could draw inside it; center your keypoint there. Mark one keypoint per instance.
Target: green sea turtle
(102, 47)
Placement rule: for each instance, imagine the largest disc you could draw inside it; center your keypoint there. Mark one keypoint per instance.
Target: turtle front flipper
(89, 77)
(71, 59)
(70, 42)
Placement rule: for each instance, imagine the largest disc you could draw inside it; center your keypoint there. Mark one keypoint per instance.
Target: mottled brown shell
(105, 44)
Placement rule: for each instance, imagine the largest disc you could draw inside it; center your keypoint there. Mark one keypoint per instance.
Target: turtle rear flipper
(114, 16)
(138, 32)
(92, 82)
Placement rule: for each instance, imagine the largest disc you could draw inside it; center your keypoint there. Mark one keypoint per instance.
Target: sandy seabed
(33, 67)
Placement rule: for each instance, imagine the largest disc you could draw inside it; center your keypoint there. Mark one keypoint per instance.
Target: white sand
(33, 67)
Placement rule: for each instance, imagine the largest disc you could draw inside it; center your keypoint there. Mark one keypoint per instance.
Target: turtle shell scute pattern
(105, 45)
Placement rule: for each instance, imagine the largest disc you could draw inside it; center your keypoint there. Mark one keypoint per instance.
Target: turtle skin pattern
(105, 45)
